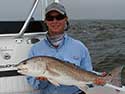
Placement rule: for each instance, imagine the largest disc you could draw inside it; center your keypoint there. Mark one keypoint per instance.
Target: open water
(105, 40)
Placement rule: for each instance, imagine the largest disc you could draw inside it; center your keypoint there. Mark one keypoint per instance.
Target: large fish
(60, 72)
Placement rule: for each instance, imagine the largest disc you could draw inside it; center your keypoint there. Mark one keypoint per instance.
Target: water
(105, 40)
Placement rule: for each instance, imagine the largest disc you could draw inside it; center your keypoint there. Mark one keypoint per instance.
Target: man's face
(55, 22)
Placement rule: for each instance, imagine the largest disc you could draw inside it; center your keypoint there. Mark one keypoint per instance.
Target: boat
(16, 38)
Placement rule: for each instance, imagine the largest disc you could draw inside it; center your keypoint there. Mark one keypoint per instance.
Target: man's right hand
(41, 78)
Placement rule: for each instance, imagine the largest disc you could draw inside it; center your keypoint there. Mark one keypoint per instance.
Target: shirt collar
(50, 45)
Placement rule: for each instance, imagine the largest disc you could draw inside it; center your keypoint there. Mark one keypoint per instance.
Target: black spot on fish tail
(114, 76)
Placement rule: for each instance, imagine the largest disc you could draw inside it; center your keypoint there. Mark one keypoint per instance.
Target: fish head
(31, 67)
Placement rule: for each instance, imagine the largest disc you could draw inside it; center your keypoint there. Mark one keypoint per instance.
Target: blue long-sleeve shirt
(69, 50)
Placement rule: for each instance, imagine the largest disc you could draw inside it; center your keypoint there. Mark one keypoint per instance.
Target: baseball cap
(55, 7)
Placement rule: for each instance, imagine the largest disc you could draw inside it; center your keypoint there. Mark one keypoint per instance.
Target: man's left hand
(99, 81)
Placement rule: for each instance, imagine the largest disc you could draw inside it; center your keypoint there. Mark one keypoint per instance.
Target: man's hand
(41, 78)
(99, 81)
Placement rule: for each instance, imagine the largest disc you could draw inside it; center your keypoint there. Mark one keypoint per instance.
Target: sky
(76, 9)
(95, 9)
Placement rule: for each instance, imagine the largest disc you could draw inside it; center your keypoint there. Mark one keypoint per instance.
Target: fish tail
(114, 77)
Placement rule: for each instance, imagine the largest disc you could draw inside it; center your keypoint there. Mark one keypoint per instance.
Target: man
(58, 44)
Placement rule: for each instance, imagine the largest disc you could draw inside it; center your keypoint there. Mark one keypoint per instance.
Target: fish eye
(24, 63)
(110, 74)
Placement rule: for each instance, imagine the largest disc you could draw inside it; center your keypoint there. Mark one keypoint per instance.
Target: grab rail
(21, 33)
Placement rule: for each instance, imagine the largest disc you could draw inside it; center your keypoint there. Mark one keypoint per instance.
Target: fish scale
(65, 73)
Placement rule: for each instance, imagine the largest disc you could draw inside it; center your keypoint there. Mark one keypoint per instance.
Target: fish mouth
(22, 70)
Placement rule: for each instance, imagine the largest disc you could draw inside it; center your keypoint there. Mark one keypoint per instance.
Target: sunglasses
(58, 17)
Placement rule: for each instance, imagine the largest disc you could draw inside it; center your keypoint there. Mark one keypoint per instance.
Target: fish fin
(114, 77)
(83, 88)
(54, 82)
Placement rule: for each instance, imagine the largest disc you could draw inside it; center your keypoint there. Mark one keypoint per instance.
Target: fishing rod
(21, 33)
